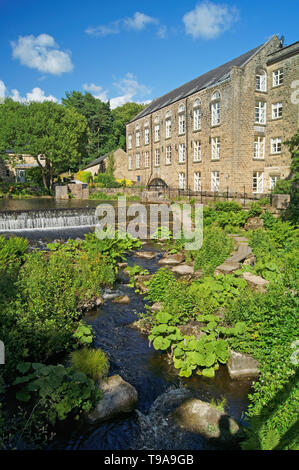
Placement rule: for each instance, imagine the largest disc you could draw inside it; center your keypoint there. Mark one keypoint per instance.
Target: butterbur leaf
(24, 367)
(210, 359)
(23, 395)
(161, 343)
(163, 317)
(209, 372)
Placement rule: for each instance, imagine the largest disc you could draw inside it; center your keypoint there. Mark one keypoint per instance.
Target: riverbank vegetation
(225, 313)
(42, 296)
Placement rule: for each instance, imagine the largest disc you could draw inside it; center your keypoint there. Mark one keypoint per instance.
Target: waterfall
(46, 219)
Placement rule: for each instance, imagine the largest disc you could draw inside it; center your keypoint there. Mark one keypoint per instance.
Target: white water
(46, 219)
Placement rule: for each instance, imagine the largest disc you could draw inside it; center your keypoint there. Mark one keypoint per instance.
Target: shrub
(159, 284)
(217, 246)
(106, 180)
(282, 187)
(84, 176)
(92, 362)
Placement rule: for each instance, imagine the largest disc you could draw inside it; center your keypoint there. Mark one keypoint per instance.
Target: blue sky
(128, 50)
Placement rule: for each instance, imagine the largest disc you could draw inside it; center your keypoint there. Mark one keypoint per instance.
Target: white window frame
(197, 181)
(168, 128)
(157, 157)
(215, 181)
(276, 145)
(258, 182)
(215, 113)
(276, 110)
(197, 119)
(157, 132)
(273, 181)
(196, 151)
(182, 180)
(260, 112)
(146, 159)
(182, 123)
(215, 148)
(259, 147)
(261, 81)
(168, 155)
(182, 153)
(137, 161)
(146, 135)
(277, 77)
(130, 161)
(129, 141)
(137, 138)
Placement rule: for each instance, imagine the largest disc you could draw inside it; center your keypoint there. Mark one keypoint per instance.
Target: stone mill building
(223, 131)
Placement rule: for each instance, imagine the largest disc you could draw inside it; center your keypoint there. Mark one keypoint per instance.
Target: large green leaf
(161, 343)
(209, 372)
(163, 317)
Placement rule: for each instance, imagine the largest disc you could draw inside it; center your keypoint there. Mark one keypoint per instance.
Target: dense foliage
(41, 297)
(47, 129)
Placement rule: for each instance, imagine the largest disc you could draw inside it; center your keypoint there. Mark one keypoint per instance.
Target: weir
(46, 219)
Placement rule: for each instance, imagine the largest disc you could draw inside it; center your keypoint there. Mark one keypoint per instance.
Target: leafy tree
(99, 118)
(46, 131)
(293, 209)
(121, 116)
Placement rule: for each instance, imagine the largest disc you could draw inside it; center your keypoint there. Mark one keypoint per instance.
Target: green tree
(52, 134)
(121, 116)
(99, 118)
(293, 210)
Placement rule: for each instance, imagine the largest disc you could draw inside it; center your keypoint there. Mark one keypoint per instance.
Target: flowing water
(160, 390)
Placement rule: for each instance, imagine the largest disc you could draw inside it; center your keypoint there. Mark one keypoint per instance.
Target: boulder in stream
(145, 254)
(171, 260)
(197, 416)
(242, 366)
(123, 299)
(118, 397)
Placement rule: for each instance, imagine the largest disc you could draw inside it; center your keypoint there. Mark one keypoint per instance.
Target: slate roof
(208, 79)
(96, 161)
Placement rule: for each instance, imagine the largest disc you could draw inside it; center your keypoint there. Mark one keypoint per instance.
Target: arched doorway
(157, 183)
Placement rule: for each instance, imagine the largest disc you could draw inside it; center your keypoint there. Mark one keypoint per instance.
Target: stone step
(227, 267)
(257, 282)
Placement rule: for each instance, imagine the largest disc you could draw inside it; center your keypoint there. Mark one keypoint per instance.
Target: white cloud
(132, 91)
(41, 53)
(137, 22)
(2, 90)
(96, 90)
(129, 87)
(208, 20)
(37, 94)
(105, 30)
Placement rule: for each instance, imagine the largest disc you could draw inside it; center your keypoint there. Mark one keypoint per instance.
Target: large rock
(227, 267)
(118, 397)
(142, 326)
(256, 282)
(203, 418)
(253, 223)
(140, 283)
(192, 328)
(145, 254)
(123, 299)
(156, 307)
(183, 269)
(242, 366)
(171, 260)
